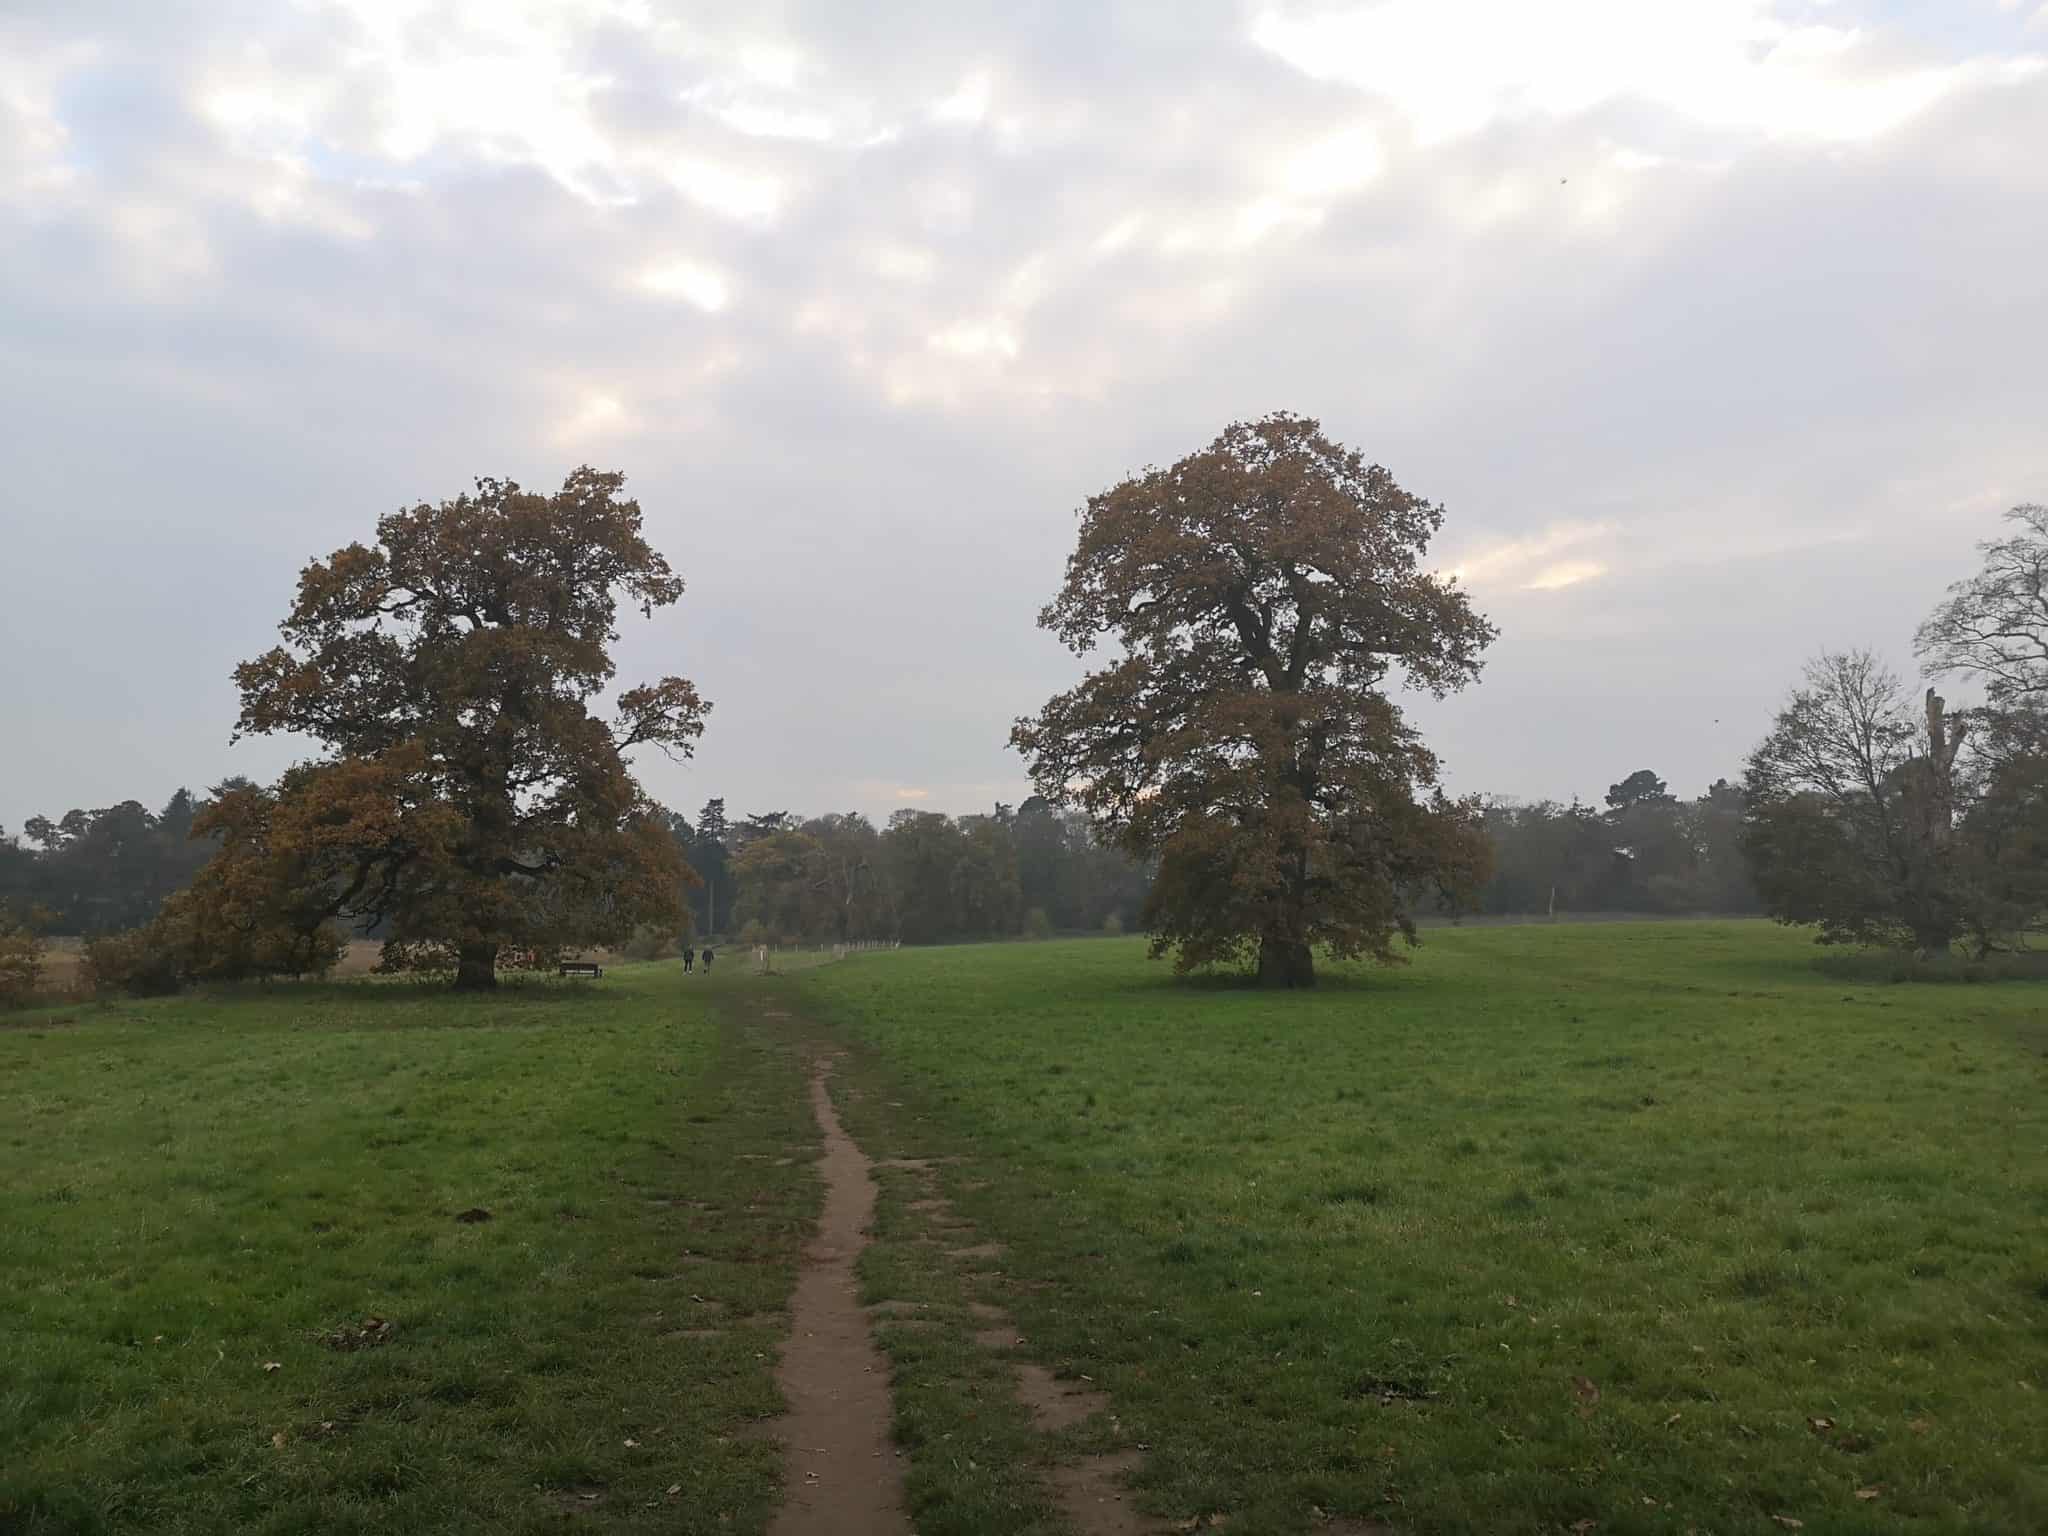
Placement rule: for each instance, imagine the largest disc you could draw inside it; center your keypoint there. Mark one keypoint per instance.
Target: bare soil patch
(840, 1471)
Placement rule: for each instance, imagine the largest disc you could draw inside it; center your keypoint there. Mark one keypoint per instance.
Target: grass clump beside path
(1657, 1227)
(209, 1205)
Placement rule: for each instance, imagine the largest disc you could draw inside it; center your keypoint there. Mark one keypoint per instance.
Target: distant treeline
(101, 871)
(927, 878)
(1647, 851)
(923, 877)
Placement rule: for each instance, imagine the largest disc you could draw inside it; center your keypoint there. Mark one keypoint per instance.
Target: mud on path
(841, 1473)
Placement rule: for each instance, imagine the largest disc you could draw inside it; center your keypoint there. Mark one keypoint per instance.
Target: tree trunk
(476, 967)
(1285, 962)
(1935, 941)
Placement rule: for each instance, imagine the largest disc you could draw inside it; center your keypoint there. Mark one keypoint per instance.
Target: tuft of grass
(1650, 1225)
(235, 1294)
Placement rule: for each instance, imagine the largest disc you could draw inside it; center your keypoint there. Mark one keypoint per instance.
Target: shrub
(543, 958)
(649, 943)
(1037, 925)
(143, 962)
(418, 957)
(216, 946)
(437, 957)
(21, 960)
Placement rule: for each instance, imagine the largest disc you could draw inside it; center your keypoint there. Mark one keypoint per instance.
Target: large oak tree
(1264, 593)
(470, 801)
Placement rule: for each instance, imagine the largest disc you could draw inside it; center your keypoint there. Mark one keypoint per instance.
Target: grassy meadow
(1616, 1228)
(1659, 1227)
(209, 1204)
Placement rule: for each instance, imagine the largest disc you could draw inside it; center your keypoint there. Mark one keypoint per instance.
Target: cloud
(1453, 67)
(1685, 313)
(36, 149)
(687, 280)
(1545, 561)
(1564, 573)
(593, 420)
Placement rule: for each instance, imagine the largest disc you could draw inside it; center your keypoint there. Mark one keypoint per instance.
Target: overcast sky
(1717, 326)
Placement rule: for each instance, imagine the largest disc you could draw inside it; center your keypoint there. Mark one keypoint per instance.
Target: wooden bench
(581, 968)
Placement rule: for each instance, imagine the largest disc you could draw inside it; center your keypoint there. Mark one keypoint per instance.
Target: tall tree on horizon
(1993, 626)
(1264, 592)
(470, 799)
(711, 852)
(1851, 809)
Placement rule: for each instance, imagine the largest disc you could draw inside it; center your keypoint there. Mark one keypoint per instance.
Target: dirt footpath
(841, 1472)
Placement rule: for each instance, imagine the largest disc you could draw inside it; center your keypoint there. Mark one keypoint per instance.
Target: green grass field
(204, 1201)
(1658, 1227)
(1654, 1226)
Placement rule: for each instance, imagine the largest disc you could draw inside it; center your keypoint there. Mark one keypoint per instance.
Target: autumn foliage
(1263, 594)
(469, 803)
(22, 956)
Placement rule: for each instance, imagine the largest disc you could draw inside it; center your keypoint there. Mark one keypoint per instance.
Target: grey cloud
(1791, 381)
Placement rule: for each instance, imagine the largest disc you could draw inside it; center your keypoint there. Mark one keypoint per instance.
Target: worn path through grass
(992, 1443)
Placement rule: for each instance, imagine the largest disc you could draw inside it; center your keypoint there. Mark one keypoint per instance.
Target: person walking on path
(707, 959)
(689, 958)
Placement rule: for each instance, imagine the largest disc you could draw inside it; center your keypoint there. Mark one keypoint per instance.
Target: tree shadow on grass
(1878, 967)
(1332, 977)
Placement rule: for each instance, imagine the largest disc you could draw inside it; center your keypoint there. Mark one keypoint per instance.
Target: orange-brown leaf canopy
(1263, 592)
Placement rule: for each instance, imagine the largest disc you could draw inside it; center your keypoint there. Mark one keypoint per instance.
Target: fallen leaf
(278, 1439)
(1512, 1302)
(1789, 1523)
(1673, 1420)
(632, 1444)
(1586, 1393)
(1583, 1526)
(273, 1365)
(674, 1489)
(1919, 1426)
(1820, 1426)
(1868, 1493)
